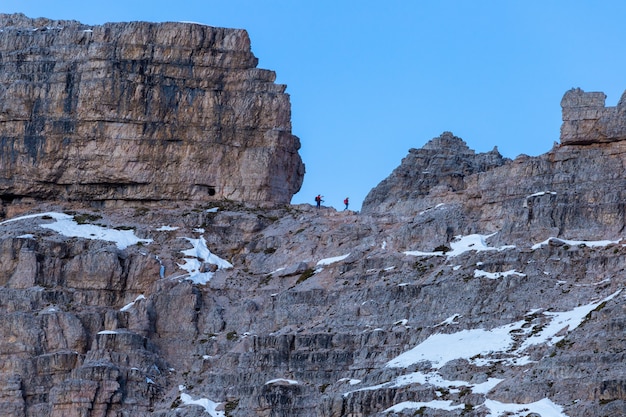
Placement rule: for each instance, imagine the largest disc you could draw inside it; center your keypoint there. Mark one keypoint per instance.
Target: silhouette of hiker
(318, 200)
(346, 203)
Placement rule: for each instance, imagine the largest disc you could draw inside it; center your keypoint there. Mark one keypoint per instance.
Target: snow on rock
(282, 381)
(431, 208)
(563, 320)
(538, 194)
(481, 347)
(328, 261)
(449, 320)
(440, 348)
(434, 379)
(67, 226)
(196, 257)
(463, 244)
(588, 243)
(435, 404)
(208, 405)
(132, 303)
(495, 275)
(166, 228)
(478, 345)
(544, 408)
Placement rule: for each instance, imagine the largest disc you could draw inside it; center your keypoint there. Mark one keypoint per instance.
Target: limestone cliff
(140, 111)
(586, 119)
(469, 285)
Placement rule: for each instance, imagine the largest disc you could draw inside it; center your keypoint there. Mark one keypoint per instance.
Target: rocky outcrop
(569, 191)
(470, 284)
(586, 119)
(140, 111)
(441, 166)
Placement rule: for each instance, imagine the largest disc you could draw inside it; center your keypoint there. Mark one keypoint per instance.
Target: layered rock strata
(140, 111)
(586, 119)
(316, 307)
(570, 191)
(469, 285)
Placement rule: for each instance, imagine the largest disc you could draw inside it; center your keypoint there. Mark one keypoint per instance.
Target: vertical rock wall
(586, 119)
(140, 111)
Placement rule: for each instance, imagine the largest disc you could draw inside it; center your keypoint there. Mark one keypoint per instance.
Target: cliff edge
(140, 111)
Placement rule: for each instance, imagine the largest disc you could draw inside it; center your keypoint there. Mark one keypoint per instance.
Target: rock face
(587, 120)
(140, 111)
(469, 285)
(441, 166)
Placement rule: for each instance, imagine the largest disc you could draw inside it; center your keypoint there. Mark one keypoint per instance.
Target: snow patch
(482, 346)
(449, 320)
(566, 320)
(208, 405)
(543, 407)
(166, 228)
(66, 225)
(495, 275)
(440, 348)
(588, 243)
(198, 255)
(431, 208)
(328, 261)
(538, 194)
(131, 304)
(435, 404)
(462, 244)
(282, 381)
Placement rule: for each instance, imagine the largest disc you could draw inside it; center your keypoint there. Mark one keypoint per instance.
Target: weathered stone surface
(88, 354)
(140, 111)
(586, 119)
(319, 302)
(441, 166)
(569, 191)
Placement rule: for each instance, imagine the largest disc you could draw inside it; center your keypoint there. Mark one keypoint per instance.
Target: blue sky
(369, 80)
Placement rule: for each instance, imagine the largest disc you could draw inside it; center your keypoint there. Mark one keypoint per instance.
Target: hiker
(318, 200)
(346, 203)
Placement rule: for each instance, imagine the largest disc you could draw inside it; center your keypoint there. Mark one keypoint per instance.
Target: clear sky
(369, 80)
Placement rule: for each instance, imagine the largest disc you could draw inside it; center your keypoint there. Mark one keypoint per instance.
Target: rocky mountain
(469, 285)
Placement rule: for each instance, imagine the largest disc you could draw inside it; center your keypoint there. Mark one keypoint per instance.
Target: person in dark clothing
(346, 203)
(318, 200)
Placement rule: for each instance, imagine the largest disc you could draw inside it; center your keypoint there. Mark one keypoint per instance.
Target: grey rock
(140, 111)
(319, 302)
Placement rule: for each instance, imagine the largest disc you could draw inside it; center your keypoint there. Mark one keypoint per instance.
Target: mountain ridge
(469, 285)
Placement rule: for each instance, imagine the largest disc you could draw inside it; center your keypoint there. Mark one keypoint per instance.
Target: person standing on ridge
(318, 200)
(346, 203)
